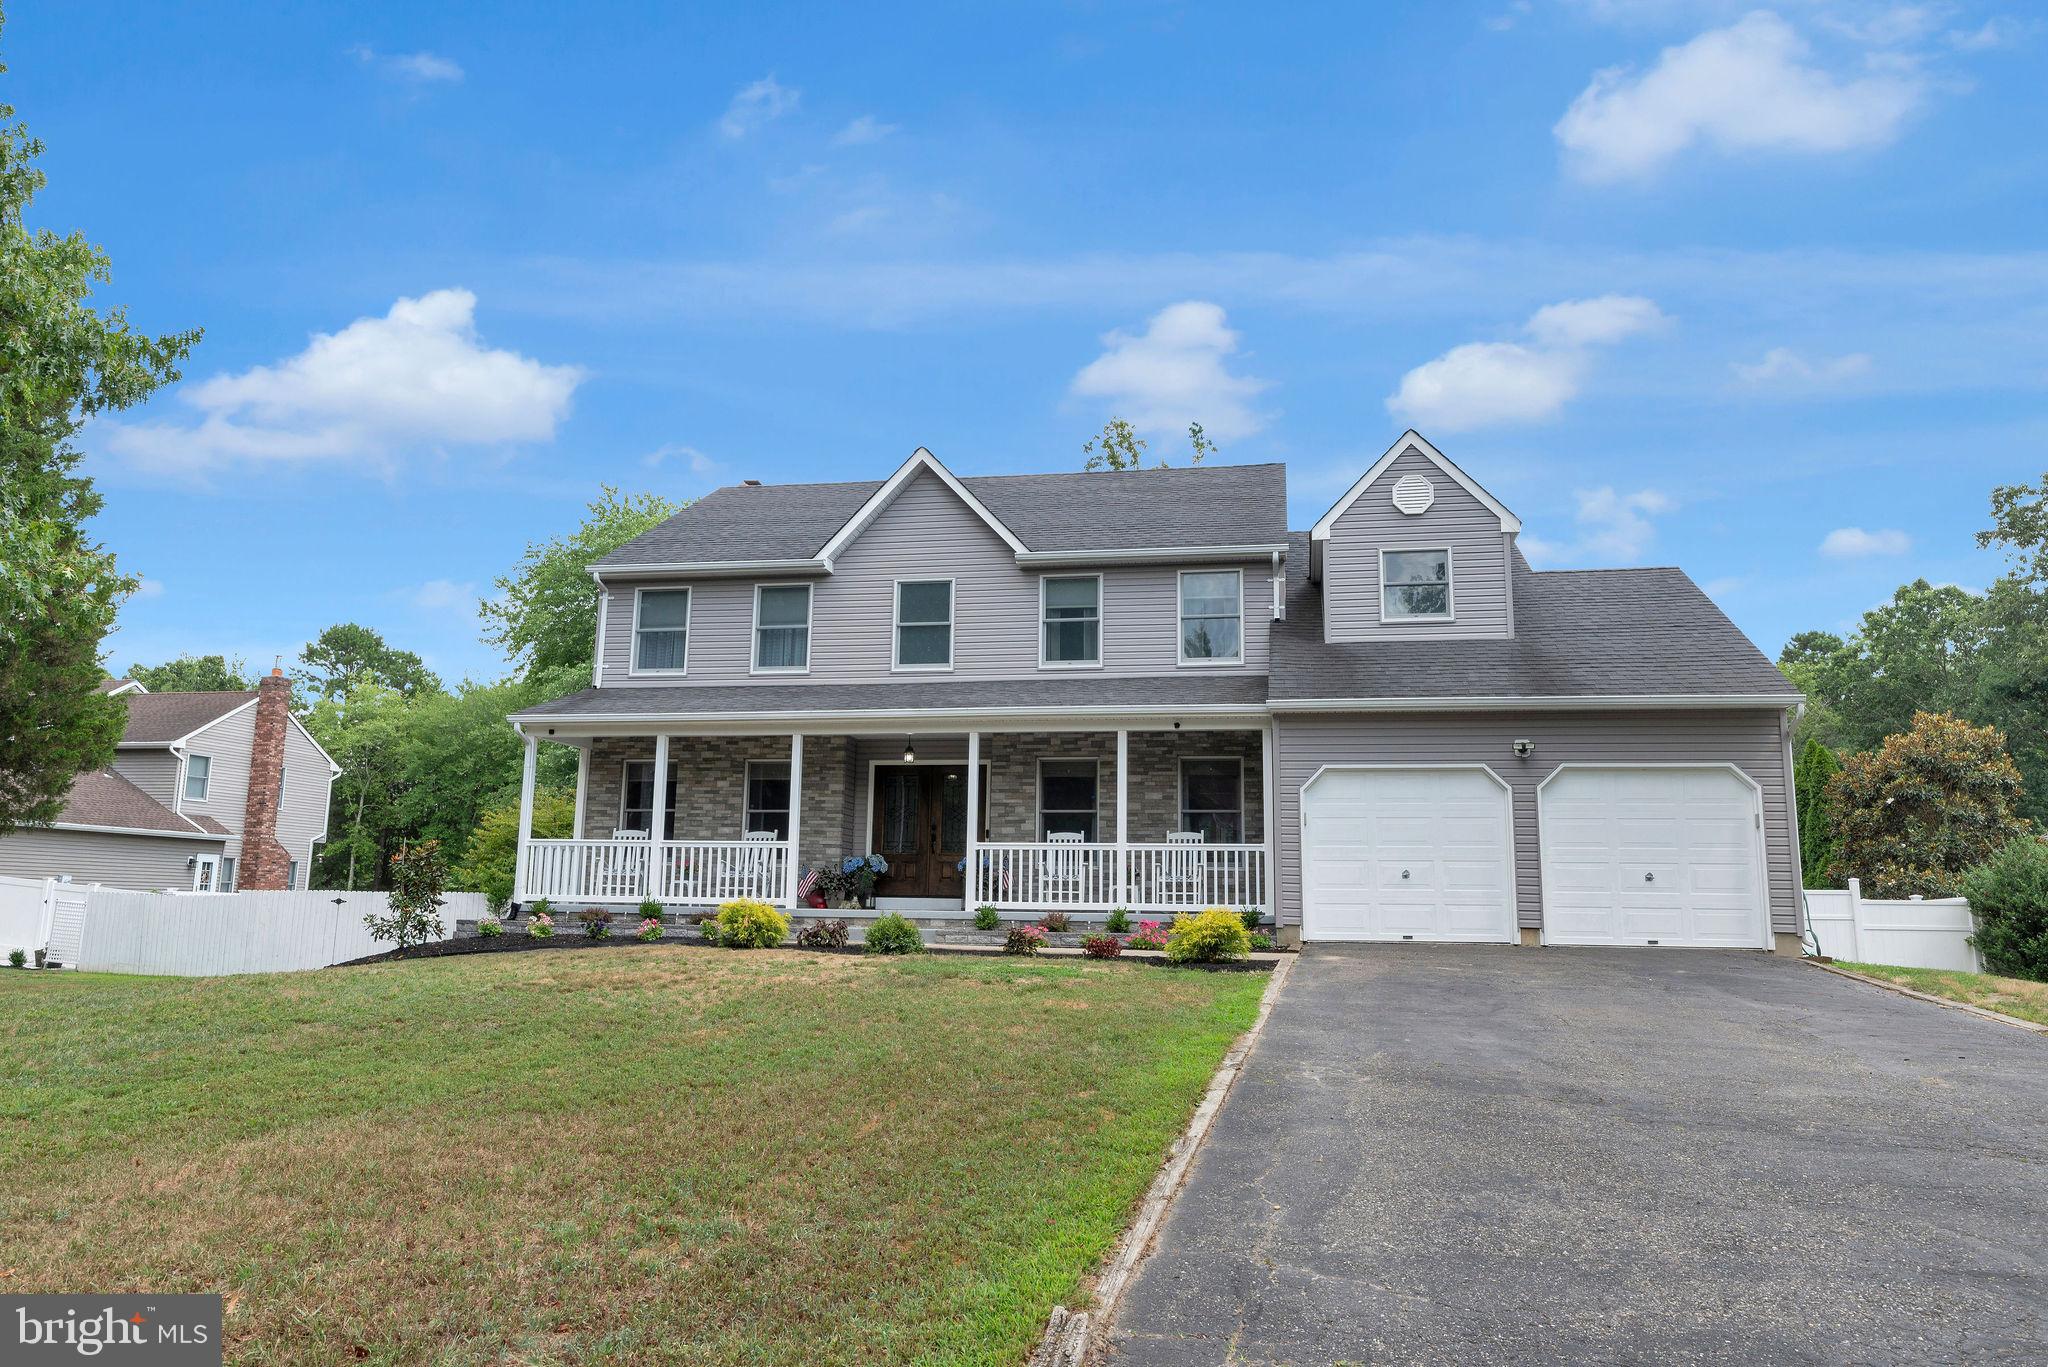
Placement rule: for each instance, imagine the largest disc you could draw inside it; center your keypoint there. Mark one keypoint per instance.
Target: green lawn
(2012, 996)
(637, 1155)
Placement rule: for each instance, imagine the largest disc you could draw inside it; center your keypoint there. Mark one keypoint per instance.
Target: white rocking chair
(1183, 870)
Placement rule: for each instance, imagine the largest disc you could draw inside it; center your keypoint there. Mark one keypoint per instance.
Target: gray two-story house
(1140, 689)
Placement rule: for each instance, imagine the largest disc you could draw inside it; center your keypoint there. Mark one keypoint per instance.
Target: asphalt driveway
(1475, 1154)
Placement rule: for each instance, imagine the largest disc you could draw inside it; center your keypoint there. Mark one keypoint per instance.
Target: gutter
(522, 720)
(1151, 554)
(711, 569)
(1580, 703)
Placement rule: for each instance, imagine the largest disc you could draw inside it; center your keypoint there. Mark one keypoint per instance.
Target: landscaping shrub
(1208, 936)
(1149, 935)
(541, 927)
(985, 918)
(651, 910)
(1815, 768)
(419, 875)
(1251, 916)
(489, 926)
(1101, 946)
(2009, 895)
(1024, 940)
(17, 958)
(823, 935)
(541, 906)
(891, 934)
(597, 922)
(747, 924)
(1925, 807)
(708, 928)
(1260, 941)
(1119, 920)
(650, 929)
(1055, 921)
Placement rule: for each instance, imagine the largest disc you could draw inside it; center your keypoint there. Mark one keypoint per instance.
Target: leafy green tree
(545, 615)
(61, 364)
(194, 674)
(364, 732)
(492, 857)
(2019, 522)
(348, 654)
(1812, 772)
(2009, 898)
(419, 878)
(1119, 447)
(1918, 812)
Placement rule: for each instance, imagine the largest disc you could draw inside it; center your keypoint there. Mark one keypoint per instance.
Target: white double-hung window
(1415, 585)
(1071, 606)
(661, 631)
(924, 624)
(198, 772)
(782, 628)
(1211, 616)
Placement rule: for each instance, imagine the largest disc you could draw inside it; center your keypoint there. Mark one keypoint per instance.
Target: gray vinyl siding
(1751, 740)
(302, 817)
(227, 744)
(928, 533)
(156, 772)
(141, 862)
(1479, 559)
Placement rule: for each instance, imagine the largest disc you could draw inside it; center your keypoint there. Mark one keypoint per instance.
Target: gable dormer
(1415, 550)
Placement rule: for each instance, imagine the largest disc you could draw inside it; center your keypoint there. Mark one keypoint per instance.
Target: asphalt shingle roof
(104, 798)
(1210, 505)
(1578, 633)
(160, 718)
(710, 700)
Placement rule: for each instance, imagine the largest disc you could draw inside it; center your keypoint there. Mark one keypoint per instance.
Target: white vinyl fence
(24, 915)
(211, 934)
(1914, 933)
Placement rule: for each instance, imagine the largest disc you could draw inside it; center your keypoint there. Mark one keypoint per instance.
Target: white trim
(1180, 793)
(619, 819)
(1180, 635)
(746, 781)
(896, 664)
(920, 460)
(1101, 626)
(1141, 555)
(1450, 587)
(127, 686)
(887, 721)
(709, 569)
(689, 611)
(754, 665)
(1038, 792)
(1756, 794)
(1321, 531)
(83, 828)
(185, 793)
(1570, 702)
(977, 794)
(201, 862)
(1514, 933)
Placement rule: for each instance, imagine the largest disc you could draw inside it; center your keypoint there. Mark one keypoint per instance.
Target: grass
(653, 1155)
(2012, 996)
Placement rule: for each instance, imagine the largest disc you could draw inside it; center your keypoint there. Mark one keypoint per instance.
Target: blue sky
(1759, 292)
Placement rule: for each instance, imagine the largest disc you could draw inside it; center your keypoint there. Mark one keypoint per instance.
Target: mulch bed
(521, 944)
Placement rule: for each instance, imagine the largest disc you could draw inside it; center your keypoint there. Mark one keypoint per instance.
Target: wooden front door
(920, 827)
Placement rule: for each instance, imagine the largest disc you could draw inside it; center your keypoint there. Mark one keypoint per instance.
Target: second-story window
(1073, 619)
(1415, 585)
(924, 624)
(198, 770)
(782, 627)
(661, 631)
(1211, 616)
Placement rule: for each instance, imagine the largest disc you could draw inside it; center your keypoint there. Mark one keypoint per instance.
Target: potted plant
(857, 875)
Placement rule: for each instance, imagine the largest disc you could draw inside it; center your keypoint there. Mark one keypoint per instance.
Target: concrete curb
(1985, 1012)
(1070, 1338)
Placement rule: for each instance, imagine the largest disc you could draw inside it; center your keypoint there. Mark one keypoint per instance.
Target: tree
(348, 654)
(492, 857)
(194, 674)
(364, 732)
(1917, 813)
(545, 615)
(2019, 522)
(419, 877)
(1119, 447)
(61, 364)
(1812, 772)
(2009, 900)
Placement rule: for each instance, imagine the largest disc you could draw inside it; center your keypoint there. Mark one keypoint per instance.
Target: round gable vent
(1413, 494)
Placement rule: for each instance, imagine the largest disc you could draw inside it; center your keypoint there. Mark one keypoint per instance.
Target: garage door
(1407, 854)
(1658, 856)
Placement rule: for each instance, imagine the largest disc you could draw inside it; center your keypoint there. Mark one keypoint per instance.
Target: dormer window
(1415, 585)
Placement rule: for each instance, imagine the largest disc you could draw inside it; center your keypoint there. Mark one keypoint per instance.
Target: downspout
(1279, 591)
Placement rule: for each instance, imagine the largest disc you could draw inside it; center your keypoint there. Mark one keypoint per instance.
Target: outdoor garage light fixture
(1524, 749)
(909, 751)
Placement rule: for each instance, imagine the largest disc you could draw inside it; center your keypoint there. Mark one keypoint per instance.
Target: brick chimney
(265, 866)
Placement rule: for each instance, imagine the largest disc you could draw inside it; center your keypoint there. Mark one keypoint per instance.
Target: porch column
(527, 765)
(796, 814)
(1270, 861)
(582, 787)
(657, 819)
(1123, 817)
(973, 817)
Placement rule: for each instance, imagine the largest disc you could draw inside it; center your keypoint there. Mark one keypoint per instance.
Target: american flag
(805, 884)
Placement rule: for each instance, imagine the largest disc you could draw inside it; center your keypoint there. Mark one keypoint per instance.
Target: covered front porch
(1155, 817)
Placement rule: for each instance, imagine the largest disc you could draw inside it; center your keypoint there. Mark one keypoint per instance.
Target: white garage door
(1407, 854)
(1659, 856)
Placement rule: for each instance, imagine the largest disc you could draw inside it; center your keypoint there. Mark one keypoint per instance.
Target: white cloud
(1745, 88)
(148, 588)
(1174, 373)
(1784, 368)
(441, 595)
(762, 102)
(1486, 384)
(421, 67)
(1850, 543)
(1611, 527)
(1995, 32)
(862, 131)
(699, 463)
(416, 377)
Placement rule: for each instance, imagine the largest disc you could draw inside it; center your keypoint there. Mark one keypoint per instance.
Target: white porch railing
(1143, 877)
(682, 872)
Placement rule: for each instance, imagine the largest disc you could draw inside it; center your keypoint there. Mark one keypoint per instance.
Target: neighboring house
(1151, 694)
(208, 792)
